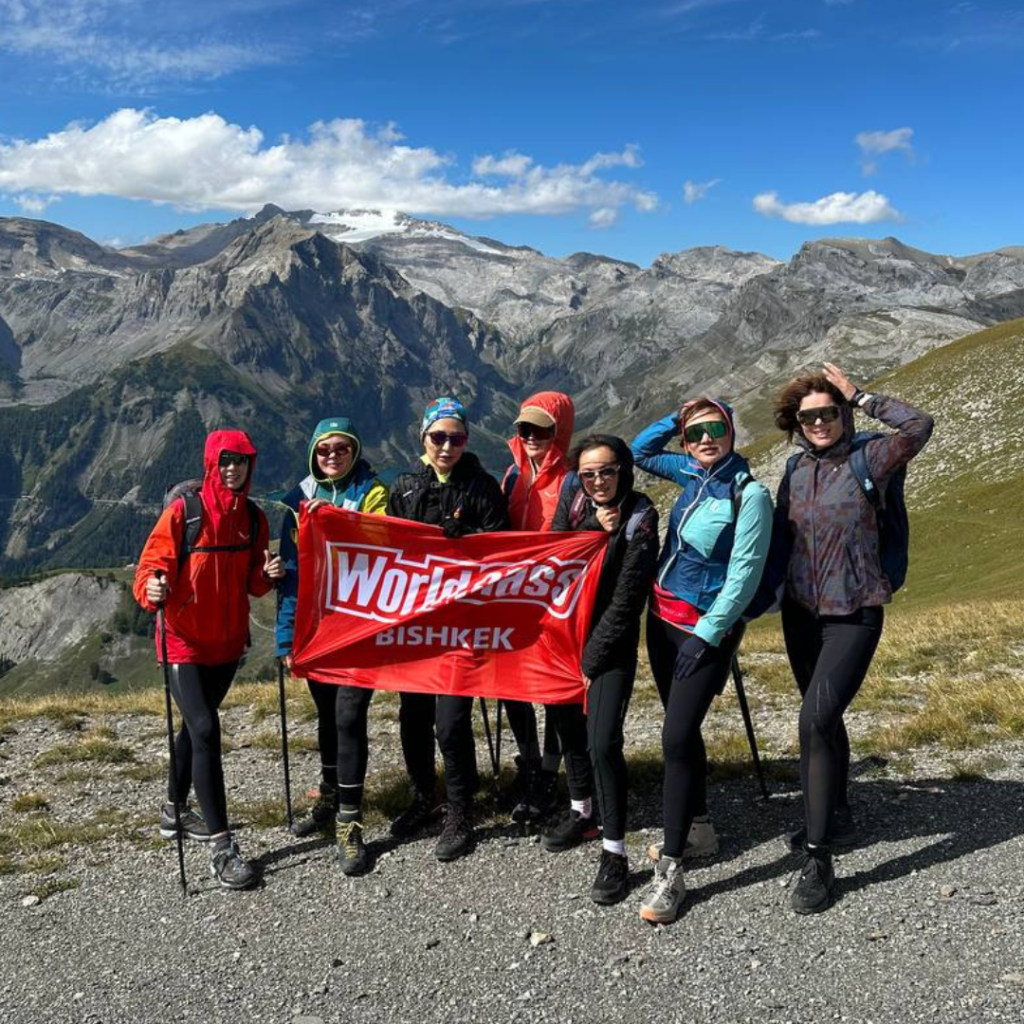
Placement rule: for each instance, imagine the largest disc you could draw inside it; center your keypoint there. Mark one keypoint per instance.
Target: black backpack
(188, 492)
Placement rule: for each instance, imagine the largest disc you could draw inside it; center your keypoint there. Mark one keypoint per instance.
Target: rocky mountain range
(113, 363)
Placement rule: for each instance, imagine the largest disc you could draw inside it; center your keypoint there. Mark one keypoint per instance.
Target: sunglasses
(825, 413)
(325, 451)
(438, 438)
(232, 459)
(715, 429)
(588, 476)
(528, 430)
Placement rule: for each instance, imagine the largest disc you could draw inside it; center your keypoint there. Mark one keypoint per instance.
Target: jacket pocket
(705, 526)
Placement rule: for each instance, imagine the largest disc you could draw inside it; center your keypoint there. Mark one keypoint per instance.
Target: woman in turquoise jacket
(708, 571)
(337, 476)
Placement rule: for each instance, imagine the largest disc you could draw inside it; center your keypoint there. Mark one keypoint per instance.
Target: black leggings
(685, 790)
(199, 691)
(419, 715)
(830, 656)
(342, 713)
(523, 721)
(593, 746)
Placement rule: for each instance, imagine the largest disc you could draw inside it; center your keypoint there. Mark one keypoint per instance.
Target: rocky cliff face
(114, 364)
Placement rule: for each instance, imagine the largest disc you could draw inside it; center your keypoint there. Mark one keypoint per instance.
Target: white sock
(614, 846)
(585, 808)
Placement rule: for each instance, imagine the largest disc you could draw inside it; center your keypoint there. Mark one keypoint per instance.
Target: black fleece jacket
(626, 578)
(470, 495)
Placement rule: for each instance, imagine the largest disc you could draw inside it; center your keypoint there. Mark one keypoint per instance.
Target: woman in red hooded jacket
(204, 591)
(532, 485)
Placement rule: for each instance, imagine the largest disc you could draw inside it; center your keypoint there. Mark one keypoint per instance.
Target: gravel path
(929, 925)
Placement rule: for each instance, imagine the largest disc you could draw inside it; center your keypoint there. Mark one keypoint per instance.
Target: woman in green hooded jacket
(339, 476)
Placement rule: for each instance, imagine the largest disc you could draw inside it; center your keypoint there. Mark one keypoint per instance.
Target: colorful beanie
(444, 409)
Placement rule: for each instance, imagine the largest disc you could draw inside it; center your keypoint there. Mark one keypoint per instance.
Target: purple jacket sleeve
(887, 454)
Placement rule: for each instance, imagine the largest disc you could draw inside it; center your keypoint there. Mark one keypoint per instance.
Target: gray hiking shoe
(321, 814)
(193, 826)
(228, 866)
(701, 842)
(666, 892)
(352, 857)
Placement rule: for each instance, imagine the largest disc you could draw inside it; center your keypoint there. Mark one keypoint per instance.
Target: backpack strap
(193, 523)
(578, 509)
(636, 517)
(859, 468)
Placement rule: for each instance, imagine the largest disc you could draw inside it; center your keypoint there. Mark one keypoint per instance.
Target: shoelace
(661, 886)
(348, 840)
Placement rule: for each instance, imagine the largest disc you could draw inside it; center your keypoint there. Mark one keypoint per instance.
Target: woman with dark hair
(338, 476)
(834, 591)
(709, 569)
(592, 741)
(445, 487)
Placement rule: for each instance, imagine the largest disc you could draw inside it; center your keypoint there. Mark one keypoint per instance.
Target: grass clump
(95, 748)
(26, 803)
(51, 886)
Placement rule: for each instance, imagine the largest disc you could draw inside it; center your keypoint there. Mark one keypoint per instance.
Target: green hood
(333, 425)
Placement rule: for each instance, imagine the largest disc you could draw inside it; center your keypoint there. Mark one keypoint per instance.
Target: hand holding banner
(395, 605)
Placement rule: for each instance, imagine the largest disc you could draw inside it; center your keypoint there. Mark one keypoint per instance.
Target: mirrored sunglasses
(588, 476)
(715, 429)
(825, 413)
(232, 459)
(438, 438)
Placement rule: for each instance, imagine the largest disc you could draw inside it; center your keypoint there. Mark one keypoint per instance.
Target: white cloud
(875, 144)
(205, 162)
(34, 203)
(837, 208)
(121, 42)
(604, 217)
(694, 191)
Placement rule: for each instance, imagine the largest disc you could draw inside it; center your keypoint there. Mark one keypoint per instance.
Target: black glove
(454, 528)
(691, 654)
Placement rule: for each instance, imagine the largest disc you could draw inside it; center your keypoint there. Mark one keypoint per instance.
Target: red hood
(560, 408)
(217, 498)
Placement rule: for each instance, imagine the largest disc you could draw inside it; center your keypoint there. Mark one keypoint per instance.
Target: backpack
(890, 511)
(188, 492)
(578, 512)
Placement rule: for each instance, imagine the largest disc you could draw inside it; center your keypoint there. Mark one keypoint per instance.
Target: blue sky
(628, 129)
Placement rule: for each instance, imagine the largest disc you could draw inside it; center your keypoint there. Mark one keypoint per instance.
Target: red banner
(395, 605)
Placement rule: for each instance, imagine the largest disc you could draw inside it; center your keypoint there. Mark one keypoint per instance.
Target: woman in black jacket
(446, 487)
(604, 499)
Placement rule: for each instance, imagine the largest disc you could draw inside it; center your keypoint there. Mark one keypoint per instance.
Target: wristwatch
(861, 398)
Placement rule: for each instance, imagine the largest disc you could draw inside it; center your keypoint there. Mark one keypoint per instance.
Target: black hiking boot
(456, 838)
(612, 882)
(321, 814)
(416, 816)
(815, 888)
(193, 826)
(538, 791)
(229, 867)
(571, 831)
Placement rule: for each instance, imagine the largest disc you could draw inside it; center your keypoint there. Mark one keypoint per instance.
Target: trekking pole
(748, 723)
(284, 743)
(487, 733)
(497, 740)
(161, 625)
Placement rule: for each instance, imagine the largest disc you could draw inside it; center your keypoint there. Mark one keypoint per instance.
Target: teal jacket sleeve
(746, 563)
(649, 446)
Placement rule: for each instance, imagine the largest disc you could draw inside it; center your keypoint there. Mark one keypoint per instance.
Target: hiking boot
(229, 867)
(416, 816)
(701, 842)
(352, 857)
(612, 882)
(538, 791)
(456, 836)
(665, 894)
(193, 826)
(815, 888)
(842, 832)
(321, 814)
(572, 830)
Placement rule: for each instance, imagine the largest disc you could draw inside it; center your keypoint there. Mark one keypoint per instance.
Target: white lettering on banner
(483, 638)
(385, 585)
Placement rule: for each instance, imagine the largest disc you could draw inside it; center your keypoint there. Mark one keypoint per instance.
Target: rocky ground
(929, 924)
